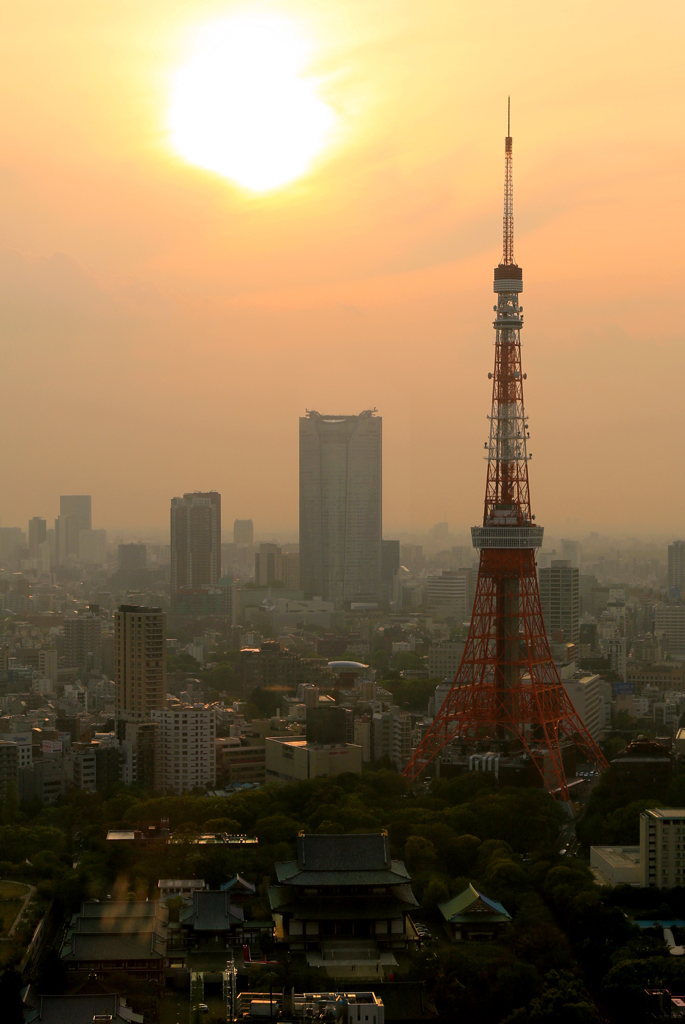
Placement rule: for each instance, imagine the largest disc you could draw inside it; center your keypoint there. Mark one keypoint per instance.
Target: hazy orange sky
(162, 329)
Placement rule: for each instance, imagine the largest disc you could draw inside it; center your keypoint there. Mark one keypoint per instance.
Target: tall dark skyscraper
(195, 541)
(341, 506)
(676, 570)
(37, 535)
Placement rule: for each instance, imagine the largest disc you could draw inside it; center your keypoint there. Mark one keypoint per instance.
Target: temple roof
(342, 860)
(471, 906)
(211, 912)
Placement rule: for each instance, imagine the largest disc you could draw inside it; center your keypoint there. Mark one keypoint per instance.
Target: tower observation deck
(507, 695)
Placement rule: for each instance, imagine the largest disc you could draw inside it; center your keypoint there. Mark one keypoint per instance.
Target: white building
(560, 599)
(615, 865)
(23, 742)
(584, 694)
(448, 593)
(187, 747)
(616, 653)
(341, 507)
(444, 659)
(662, 847)
(670, 621)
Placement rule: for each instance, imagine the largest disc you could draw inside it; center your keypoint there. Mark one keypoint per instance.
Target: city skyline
(117, 255)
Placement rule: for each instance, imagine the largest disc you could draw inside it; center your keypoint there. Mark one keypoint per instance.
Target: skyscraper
(341, 506)
(676, 570)
(37, 535)
(74, 516)
(195, 541)
(140, 661)
(560, 599)
(243, 532)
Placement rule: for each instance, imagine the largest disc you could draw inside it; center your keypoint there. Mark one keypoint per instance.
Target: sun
(242, 107)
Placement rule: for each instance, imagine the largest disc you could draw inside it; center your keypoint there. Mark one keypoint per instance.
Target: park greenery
(572, 953)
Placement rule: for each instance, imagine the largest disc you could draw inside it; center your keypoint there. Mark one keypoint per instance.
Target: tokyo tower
(507, 695)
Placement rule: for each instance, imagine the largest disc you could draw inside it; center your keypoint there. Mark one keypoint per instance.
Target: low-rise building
(615, 865)
(290, 760)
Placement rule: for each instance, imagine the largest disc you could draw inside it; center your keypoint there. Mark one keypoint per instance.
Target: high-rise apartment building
(560, 599)
(38, 532)
(82, 642)
(187, 741)
(341, 506)
(676, 570)
(195, 541)
(243, 532)
(139, 662)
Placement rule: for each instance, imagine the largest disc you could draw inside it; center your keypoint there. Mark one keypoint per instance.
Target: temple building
(344, 901)
(471, 915)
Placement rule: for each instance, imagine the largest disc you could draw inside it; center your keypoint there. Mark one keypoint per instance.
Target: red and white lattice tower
(507, 695)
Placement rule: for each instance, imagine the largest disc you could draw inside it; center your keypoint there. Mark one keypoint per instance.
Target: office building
(268, 565)
(37, 535)
(74, 516)
(187, 739)
(195, 541)
(616, 653)
(132, 557)
(560, 599)
(92, 547)
(447, 594)
(297, 759)
(82, 642)
(676, 570)
(444, 658)
(662, 847)
(140, 661)
(243, 532)
(570, 552)
(290, 563)
(9, 765)
(341, 507)
(47, 664)
(670, 622)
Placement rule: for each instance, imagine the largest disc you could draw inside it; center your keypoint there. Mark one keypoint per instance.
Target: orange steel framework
(507, 693)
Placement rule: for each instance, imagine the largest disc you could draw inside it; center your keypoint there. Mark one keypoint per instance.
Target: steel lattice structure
(507, 691)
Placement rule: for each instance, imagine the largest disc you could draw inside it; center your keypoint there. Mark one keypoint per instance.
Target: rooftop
(666, 812)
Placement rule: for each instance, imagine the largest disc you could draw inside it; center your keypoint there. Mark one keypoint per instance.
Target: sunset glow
(243, 107)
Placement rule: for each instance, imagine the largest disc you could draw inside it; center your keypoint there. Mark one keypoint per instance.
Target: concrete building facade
(341, 507)
(662, 847)
(140, 661)
(195, 541)
(187, 740)
(560, 599)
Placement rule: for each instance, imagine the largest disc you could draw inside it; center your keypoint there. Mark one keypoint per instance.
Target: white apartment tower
(560, 599)
(341, 506)
(187, 741)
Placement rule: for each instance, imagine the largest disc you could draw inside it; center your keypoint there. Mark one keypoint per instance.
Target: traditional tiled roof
(211, 912)
(80, 1009)
(117, 930)
(340, 860)
(471, 906)
(238, 883)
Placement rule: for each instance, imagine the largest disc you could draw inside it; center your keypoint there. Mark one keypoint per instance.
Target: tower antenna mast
(507, 697)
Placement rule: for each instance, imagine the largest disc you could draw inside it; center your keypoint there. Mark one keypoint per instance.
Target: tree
(10, 997)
